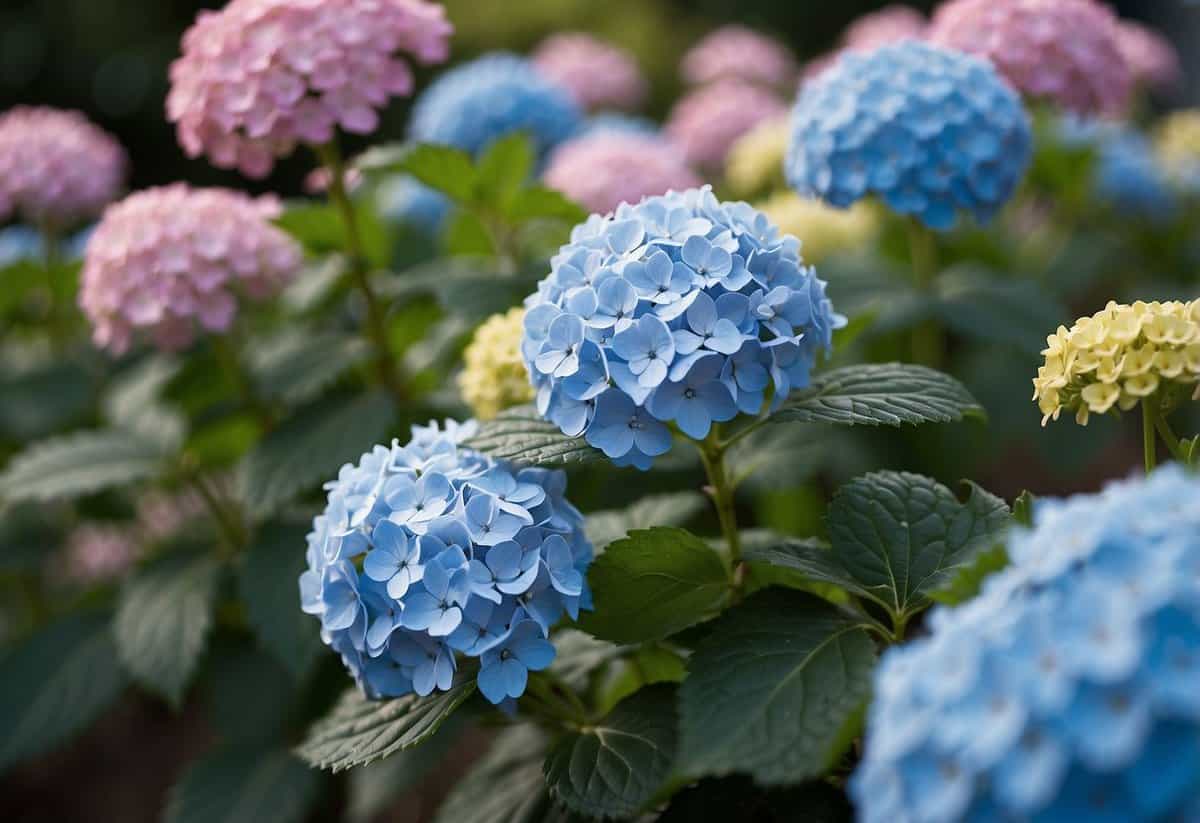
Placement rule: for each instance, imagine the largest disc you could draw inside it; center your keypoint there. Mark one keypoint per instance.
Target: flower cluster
(56, 167)
(598, 74)
(1065, 51)
(736, 52)
(888, 25)
(755, 161)
(1127, 172)
(405, 200)
(599, 171)
(1067, 689)
(930, 130)
(164, 258)
(826, 231)
(259, 77)
(1118, 356)
(680, 309)
(430, 550)
(1151, 57)
(98, 553)
(494, 376)
(707, 121)
(475, 104)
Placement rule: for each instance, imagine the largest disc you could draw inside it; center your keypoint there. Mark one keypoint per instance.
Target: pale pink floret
(741, 53)
(166, 259)
(56, 167)
(710, 119)
(597, 74)
(261, 76)
(98, 553)
(602, 170)
(891, 24)
(1151, 57)
(1064, 51)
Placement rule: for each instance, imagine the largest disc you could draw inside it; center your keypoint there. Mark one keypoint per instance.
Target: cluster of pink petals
(1065, 51)
(597, 74)
(56, 166)
(710, 119)
(164, 259)
(260, 76)
(740, 53)
(98, 553)
(890, 24)
(1151, 57)
(601, 170)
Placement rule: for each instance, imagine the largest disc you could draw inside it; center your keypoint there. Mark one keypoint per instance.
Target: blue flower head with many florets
(1126, 174)
(1069, 689)
(475, 104)
(432, 551)
(931, 131)
(678, 310)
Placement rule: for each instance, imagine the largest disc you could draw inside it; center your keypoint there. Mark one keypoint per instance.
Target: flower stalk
(721, 490)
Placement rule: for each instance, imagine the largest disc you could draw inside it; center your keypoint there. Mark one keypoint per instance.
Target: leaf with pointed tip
(671, 509)
(78, 464)
(520, 435)
(243, 784)
(447, 169)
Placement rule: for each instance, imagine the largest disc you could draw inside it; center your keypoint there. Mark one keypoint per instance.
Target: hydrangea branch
(712, 454)
(927, 340)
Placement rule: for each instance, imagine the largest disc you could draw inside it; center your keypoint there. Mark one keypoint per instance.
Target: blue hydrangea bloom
(431, 551)
(680, 309)
(931, 131)
(1069, 689)
(472, 105)
(405, 200)
(1127, 174)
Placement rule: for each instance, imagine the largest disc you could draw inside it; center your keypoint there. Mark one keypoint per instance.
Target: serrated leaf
(55, 684)
(997, 309)
(521, 436)
(810, 559)
(967, 582)
(671, 509)
(360, 731)
(447, 169)
(297, 366)
(505, 785)
(77, 464)
(880, 394)
(613, 768)
(774, 690)
(269, 583)
(163, 618)
(311, 446)
(901, 536)
(243, 785)
(653, 583)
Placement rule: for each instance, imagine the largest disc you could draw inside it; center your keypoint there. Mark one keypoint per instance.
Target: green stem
(387, 366)
(712, 455)
(1148, 441)
(230, 525)
(229, 352)
(927, 344)
(571, 711)
(1168, 437)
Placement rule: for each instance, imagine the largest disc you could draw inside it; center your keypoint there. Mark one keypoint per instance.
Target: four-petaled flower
(621, 429)
(559, 356)
(506, 666)
(488, 523)
(697, 401)
(648, 347)
(437, 609)
(662, 282)
(396, 559)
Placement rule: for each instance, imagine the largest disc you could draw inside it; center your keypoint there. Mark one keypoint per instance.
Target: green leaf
(465, 235)
(994, 308)
(77, 464)
(776, 457)
(579, 656)
(298, 365)
(504, 168)
(880, 394)
(361, 731)
(1023, 508)
(55, 684)
(901, 535)
(670, 509)
(48, 397)
(775, 690)
(968, 581)
(614, 768)
(269, 583)
(446, 169)
(810, 560)
(520, 435)
(320, 229)
(505, 785)
(653, 583)
(249, 693)
(539, 202)
(134, 401)
(163, 619)
(243, 785)
(311, 446)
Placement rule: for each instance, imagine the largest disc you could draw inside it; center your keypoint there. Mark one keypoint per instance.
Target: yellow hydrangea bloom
(1118, 356)
(494, 377)
(1179, 140)
(823, 230)
(755, 161)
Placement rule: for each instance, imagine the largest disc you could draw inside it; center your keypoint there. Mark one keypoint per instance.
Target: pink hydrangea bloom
(56, 166)
(98, 553)
(738, 52)
(163, 514)
(708, 120)
(261, 76)
(890, 24)
(602, 170)
(1151, 57)
(165, 259)
(598, 74)
(1061, 50)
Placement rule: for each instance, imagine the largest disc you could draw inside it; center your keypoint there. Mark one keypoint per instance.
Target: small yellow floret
(755, 162)
(494, 377)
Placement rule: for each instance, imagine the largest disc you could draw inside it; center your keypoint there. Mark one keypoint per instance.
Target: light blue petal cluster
(405, 200)
(429, 551)
(474, 104)
(1127, 173)
(933, 132)
(1069, 689)
(680, 309)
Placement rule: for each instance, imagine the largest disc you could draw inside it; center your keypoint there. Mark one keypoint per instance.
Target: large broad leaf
(809, 560)
(652, 584)
(311, 446)
(446, 169)
(777, 457)
(505, 785)
(79, 464)
(162, 622)
(774, 690)
(901, 536)
(297, 366)
(671, 509)
(503, 169)
(55, 684)
(244, 785)
(614, 767)
(270, 588)
(43, 398)
(880, 394)
(361, 731)
(134, 401)
(520, 435)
